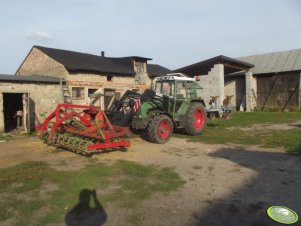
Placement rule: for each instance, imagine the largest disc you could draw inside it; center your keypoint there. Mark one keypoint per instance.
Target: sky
(174, 33)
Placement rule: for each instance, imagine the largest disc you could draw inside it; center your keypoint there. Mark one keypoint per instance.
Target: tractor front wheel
(195, 119)
(160, 129)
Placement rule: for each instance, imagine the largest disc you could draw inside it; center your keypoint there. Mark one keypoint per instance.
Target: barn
(91, 79)
(214, 75)
(50, 76)
(264, 82)
(277, 80)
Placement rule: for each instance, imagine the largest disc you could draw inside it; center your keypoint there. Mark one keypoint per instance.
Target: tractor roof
(174, 76)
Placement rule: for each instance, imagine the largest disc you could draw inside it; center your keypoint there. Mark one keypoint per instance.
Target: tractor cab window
(191, 91)
(165, 88)
(181, 90)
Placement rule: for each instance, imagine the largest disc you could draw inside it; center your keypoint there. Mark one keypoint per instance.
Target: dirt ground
(225, 185)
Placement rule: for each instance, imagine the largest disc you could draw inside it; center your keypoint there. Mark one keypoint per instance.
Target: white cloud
(37, 35)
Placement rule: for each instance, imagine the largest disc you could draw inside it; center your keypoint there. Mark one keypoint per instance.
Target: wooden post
(25, 111)
(62, 91)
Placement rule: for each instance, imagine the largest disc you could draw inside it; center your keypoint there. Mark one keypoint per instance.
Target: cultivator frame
(82, 129)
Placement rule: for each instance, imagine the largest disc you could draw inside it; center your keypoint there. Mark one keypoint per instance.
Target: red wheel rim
(164, 130)
(198, 119)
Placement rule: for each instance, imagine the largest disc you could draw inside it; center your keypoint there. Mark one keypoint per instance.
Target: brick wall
(100, 82)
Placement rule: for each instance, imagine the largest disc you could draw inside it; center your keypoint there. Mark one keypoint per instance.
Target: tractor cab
(176, 85)
(179, 89)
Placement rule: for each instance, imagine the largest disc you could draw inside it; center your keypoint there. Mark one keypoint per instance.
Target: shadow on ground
(86, 214)
(277, 182)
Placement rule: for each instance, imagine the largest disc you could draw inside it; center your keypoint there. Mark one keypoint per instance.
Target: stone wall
(236, 86)
(101, 79)
(213, 84)
(100, 82)
(44, 98)
(141, 73)
(251, 92)
(38, 63)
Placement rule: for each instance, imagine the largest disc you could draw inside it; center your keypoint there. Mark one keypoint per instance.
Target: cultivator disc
(73, 143)
(77, 144)
(86, 132)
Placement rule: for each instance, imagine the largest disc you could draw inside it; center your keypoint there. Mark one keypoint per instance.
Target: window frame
(79, 91)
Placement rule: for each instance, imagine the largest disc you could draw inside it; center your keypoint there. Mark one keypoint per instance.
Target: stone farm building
(213, 78)
(50, 76)
(24, 98)
(276, 84)
(87, 75)
(268, 81)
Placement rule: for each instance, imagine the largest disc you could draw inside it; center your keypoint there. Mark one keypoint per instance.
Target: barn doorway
(12, 111)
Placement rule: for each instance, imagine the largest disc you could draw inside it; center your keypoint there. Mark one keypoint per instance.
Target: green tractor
(171, 103)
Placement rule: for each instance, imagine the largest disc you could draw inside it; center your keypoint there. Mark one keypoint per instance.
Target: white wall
(45, 97)
(251, 91)
(213, 84)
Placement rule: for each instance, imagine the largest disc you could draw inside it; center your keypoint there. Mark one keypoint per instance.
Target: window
(109, 78)
(158, 87)
(191, 90)
(78, 93)
(165, 88)
(117, 95)
(181, 90)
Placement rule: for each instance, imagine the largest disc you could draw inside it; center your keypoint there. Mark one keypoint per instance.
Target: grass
(290, 139)
(124, 183)
(222, 131)
(136, 219)
(5, 137)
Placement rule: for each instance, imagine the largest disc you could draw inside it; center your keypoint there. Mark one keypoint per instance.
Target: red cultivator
(83, 129)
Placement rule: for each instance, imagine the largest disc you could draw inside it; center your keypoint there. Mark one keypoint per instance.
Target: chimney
(103, 53)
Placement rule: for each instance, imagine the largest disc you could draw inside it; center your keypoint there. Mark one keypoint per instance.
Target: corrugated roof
(275, 62)
(155, 70)
(31, 79)
(76, 61)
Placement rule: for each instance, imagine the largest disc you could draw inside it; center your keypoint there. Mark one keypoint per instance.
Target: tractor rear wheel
(195, 119)
(160, 129)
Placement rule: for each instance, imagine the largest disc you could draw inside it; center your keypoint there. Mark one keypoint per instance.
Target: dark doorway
(109, 96)
(12, 102)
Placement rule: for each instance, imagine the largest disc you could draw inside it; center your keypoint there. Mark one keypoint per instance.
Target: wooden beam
(235, 67)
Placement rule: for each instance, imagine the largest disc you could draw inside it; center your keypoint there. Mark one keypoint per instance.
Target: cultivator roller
(82, 129)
